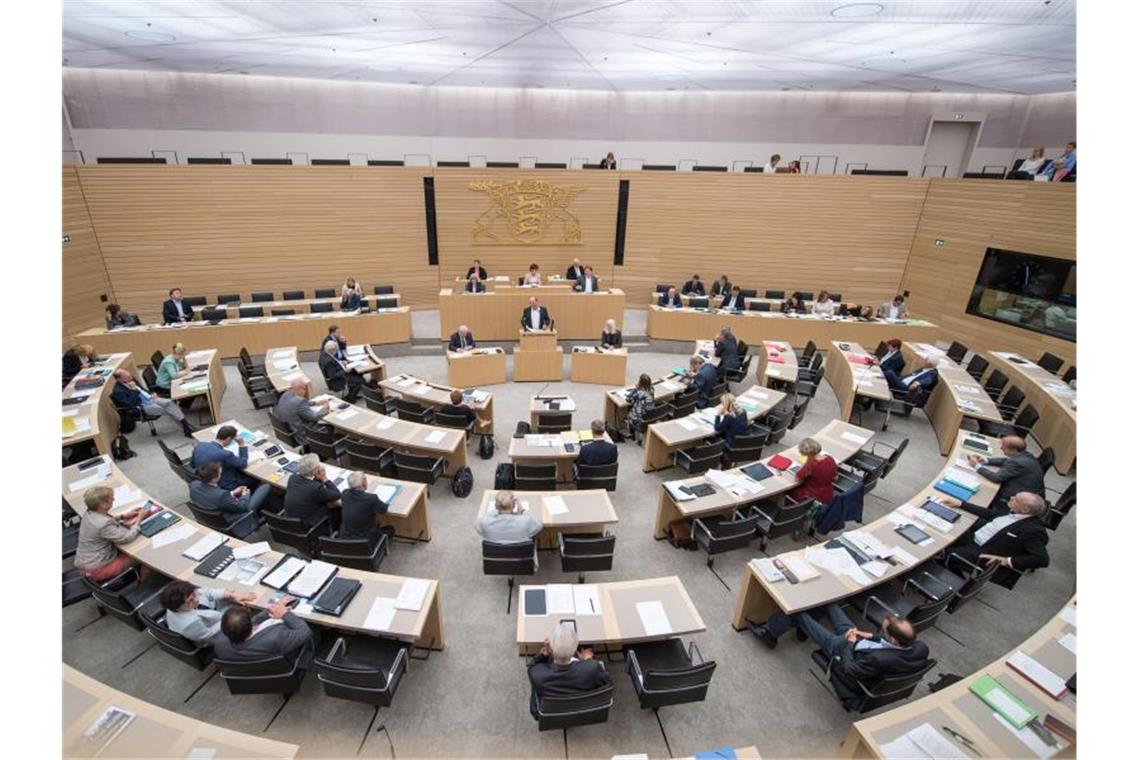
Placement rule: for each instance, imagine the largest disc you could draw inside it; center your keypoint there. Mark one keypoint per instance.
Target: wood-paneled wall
(84, 276)
(971, 216)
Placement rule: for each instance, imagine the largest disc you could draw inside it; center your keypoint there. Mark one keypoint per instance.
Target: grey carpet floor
(470, 700)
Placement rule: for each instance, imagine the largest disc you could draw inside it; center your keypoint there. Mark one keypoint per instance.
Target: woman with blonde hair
(611, 336)
(173, 366)
(815, 477)
(823, 305)
(351, 295)
(1031, 165)
(730, 420)
(76, 359)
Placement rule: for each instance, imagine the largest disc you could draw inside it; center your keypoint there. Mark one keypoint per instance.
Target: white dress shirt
(589, 288)
(536, 319)
(769, 169)
(993, 527)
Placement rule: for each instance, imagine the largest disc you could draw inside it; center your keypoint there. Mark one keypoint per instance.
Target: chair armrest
(699, 524)
(878, 601)
(695, 654)
(954, 556)
(337, 649)
(884, 444)
(929, 594)
(324, 521)
(634, 665)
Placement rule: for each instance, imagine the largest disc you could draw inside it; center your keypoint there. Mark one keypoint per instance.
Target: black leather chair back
(1050, 362)
(281, 430)
(387, 303)
(410, 410)
(320, 308)
(363, 669)
(417, 468)
(263, 297)
(662, 288)
(251, 311)
(292, 531)
(536, 477)
(995, 384)
(324, 293)
(383, 290)
(175, 644)
(977, 366)
(597, 476)
(452, 421)
(357, 553)
(786, 519)
(586, 552)
(578, 710)
(699, 303)
(675, 687)
(519, 558)
(554, 422)
(719, 536)
(229, 298)
(956, 352)
(1013, 398)
(272, 675)
(774, 294)
(363, 455)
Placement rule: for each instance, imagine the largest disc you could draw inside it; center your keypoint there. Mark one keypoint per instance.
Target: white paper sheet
(675, 491)
(385, 492)
(856, 439)
(902, 555)
(82, 483)
(654, 619)
(434, 437)
(384, 423)
(1069, 615)
(126, 494)
(799, 568)
(412, 594)
(1038, 673)
(556, 505)
(284, 364)
(1069, 641)
(347, 414)
(586, 599)
(172, 535)
(923, 741)
(70, 411)
(559, 599)
(688, 424)
(199, 549)
(381, 614)
(1028, 738)
(250, 550)
(768, 570)
(312, 578)
(287, 569)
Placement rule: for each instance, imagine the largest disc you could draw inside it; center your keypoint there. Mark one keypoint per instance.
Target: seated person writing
(588, 282)
(509, 523)
(337, 375)
(461, 340)
(915, 386)
(893, 309)
(532, 277)
(282, 634)
(100, 535)
(562, 669)
(351, 296)
(1017, 471)
(733, 301)
(611, 336)
(196, 613)
(823, 305)
(172, 367)
(731, 420)
(309, 494)
(597, 451)
(670, 299)
(721, 287)
(693, 287)
(128, 395)
(703, 377)
(359, 509)
(536, 317)
(1014, 540)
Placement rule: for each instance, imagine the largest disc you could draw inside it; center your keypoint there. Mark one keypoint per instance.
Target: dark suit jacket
(335, 376)
(611, 340)
(170, 312)
(717, 290)
(458, 342)
(124, 397)
(475, 287)
(459, 410)
(597, 452)
(869, 665)
(693, 287)
(232, 464)
(580, 285)
(548, 678)
(309, 499)
(704, 381)
(352, 302)
(664, 300)
(1020, 472)
(737, 304)
(1023, 542)
(731, 426)
(892, 362)
(482, 273)
(358, 510)
(726, 351)
(216, 498)
(341, 346)
(574, 274)
(544, 319)
(291, 638)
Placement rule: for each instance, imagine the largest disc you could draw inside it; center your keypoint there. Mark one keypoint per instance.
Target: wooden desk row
(303, 304)
(561, 449)
(852, 372)
(617, 408)
(496, 315)
(282, 366)
(423, 627)
(957, 708)
(255, 334)
(433, 396)
(841, 440)
(587, 511)
(1054, 400)
(408, 513)
(778, 363)
(206, 379)
(152, 732)
(94, 418)
(758, 598)
(753, 327)
(957, 397)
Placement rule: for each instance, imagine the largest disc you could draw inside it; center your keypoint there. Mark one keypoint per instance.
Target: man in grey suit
(293, 408)
(1017, 471)
(509, 523)
(282, 634)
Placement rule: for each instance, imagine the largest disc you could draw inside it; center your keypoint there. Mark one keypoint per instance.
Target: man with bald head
(1015, 541)
(461, 340)
(1017, 470)
(128, 395)
(294, 410)
(535, 317)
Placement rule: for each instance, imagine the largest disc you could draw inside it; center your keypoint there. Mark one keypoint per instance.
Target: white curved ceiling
(1007, 46)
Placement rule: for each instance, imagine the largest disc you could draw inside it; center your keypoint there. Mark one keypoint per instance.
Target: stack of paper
(725, 480)
(555, 505)
(922, 742)
(689, 424)
(172, 535)
(855, 438)
(559, 599)
(384, 423)
(312, 578)
(586, 600)
(381, 614)
(347, 414)
(386, 492)
(412, 594)
(654, 619)
(768, 570)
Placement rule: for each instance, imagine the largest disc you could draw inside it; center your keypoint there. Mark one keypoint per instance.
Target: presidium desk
(498, 315)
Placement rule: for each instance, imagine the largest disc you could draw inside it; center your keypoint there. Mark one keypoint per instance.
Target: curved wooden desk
(777, 362)
(94, 418)
(434, 396)
(209, 382)
(588, 511)
(957, 396)
(282, 365)
(1055, 401)
(853, 372)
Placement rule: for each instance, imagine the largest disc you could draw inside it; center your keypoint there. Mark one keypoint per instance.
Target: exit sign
(66, 239)
(939, 242)
(959, 116)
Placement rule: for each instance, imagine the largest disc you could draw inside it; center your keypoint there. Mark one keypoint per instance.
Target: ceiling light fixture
(857, 10)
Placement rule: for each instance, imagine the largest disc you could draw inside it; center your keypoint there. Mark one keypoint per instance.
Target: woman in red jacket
(815, 477)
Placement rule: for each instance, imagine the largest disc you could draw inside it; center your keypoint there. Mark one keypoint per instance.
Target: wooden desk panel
(215, 381)
(778, 362)
(435, 396)
(496, 316)
(302, 305)
(256, 334)
(956, 397)
(483, 366)
(528, 451)
(588, 511)
(850, 376)
(97, 415)
(617, 408)
(599, 367)
(1054, 401)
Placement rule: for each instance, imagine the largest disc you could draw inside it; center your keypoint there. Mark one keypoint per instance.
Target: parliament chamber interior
(568, 379)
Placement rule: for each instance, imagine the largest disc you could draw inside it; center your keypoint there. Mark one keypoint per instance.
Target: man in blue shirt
(217, 451)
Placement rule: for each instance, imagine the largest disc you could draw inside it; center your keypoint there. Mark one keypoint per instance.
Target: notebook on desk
(158, 522)
(336, 596)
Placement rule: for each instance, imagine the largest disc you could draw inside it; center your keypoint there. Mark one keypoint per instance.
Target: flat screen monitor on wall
(1036, 293)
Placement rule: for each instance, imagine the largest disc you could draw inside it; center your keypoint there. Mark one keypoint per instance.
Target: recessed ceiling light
(149, 35)
(857, 10)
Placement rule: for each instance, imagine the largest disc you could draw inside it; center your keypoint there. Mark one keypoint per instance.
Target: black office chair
(759, 306)
(662, 288)
(699, 303)
(799, 410)
(323, 450)
(1062, 507)
(804, 295)
(282, 312)
(597, 476)
(746, 447)
(125, 595)
(392, 303)
(977, 367)
(363, 669)
(246, 360)
(668, 673)
(682, 405)
(292, 531)
(213, 315)
(656, 413)
(194, 301)
(197, 656)
(419, 469)
(776, 424)
(130, 415)
(320, 308)
(367, 456)
(511, 560)
(156, 360)
(457, 422)
(358, 553)
(700, 458)
(1021, 425)
(413, 412)
(262, 297)
(869, 695)
(374, 399)
(748, 292)
(1070, 374)
(813, 371)
(238, 526)
(870, 461)
(1046, 458)
(740, 374)
(957, 352)
(250, 311)
(554, 422)
(383, 290)
(780, 520)
(586, 552)
(774, 294)
(324, 293)
(272, 675)
(1050, 362)
(995, 384)
(228, 298)
(282, 431)
(179, 466)
(936, 581)
(579, 710)
(1010, 403)
(881, 349)
(266, 399)
(329, 436)
(536, 477)
(807, 354)
(717, 536)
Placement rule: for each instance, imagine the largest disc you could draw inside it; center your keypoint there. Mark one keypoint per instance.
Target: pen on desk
(965, 742)
(592, 606)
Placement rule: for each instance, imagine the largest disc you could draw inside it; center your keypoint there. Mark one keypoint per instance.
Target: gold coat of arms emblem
(527, 212)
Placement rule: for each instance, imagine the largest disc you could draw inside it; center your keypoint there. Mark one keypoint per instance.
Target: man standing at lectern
(535, 317)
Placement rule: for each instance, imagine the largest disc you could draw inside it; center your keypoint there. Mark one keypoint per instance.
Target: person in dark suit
(216, 451)
(702, 376)
(294, 409)
(575, 271)
(916, 385)
(76, 359)
(588, 282)
(240, 641)
(554, 671)
(731, 420)
(477, 269)
(733, 301)
(693, 287)
(598, 451)
(670, 299)
(721, 287)
(727, 350)
(309, 494)
(535, 317)
(858, 656)
(1014, 540)
(461, 340)
(611, 336)
(335, 336)
(1017, 471)
(206, 492)
(609, 162)
(474, 285)
(337, 377)
(457, 408)
(359, 509)
(128, 395)
(893, 359)
(174, 310)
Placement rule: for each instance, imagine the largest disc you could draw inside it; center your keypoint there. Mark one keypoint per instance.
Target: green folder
(1003, 702)
(950, 477)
